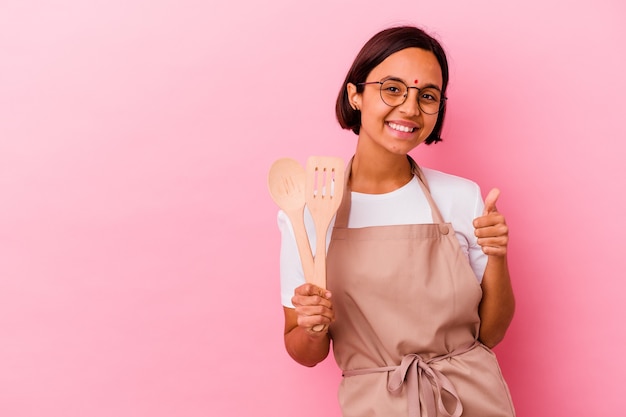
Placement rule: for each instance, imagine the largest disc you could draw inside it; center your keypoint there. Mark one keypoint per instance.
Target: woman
(418, 283)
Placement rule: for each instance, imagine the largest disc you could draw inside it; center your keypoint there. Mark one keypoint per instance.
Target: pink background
(138, 241)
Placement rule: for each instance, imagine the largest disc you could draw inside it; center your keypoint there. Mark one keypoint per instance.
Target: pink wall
(138, 243)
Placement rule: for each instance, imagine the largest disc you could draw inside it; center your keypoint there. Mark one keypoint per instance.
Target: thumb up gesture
(490, 228)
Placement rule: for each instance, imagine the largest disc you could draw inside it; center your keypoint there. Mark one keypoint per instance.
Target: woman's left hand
(491, 229)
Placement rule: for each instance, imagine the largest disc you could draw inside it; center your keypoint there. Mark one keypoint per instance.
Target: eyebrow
(428, 85)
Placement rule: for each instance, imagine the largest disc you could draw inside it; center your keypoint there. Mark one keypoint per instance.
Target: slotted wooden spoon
(287, 181)
(324, 190)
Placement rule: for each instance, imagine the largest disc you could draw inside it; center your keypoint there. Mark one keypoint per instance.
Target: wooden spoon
(286, 182)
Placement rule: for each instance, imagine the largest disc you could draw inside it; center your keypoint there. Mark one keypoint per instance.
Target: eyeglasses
(394, 92)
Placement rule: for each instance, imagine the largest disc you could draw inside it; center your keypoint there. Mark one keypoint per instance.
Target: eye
(430, 95)
(393, 88)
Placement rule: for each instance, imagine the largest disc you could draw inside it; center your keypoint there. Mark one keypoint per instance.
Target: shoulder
(439, 182)
(458, 198)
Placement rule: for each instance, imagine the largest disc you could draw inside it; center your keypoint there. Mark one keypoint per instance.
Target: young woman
(418, 283)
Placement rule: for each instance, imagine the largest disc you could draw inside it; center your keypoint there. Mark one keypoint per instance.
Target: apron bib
(406, 302)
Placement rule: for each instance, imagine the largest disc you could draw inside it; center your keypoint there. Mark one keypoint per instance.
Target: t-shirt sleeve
(291, 273)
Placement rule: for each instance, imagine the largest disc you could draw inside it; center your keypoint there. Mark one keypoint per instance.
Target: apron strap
(343, 213)
(437, 217)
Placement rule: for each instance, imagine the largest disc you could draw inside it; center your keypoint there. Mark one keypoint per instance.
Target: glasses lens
(393, 92)
(429, 100)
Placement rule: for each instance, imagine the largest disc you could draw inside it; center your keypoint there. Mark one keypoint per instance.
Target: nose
(410, 107)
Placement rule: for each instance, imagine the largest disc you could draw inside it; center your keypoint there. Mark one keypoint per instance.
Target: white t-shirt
(458, 199)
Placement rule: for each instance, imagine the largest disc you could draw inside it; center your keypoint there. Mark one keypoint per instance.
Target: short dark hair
(375, 51)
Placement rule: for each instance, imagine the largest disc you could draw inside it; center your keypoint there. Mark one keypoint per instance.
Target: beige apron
(406, 302)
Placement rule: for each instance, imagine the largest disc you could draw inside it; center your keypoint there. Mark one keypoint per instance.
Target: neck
(379, 175)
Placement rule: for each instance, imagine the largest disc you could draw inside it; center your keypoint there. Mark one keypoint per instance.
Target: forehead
(410, 64)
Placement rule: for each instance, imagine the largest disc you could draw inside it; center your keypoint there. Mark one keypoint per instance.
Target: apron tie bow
(423, 384)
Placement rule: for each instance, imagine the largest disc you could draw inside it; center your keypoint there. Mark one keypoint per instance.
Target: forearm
(498, 303)
(306, 347)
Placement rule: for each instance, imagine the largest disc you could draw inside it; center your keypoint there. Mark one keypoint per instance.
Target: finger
(486, 229)
(490, 201)
(311, 295)
(314, 310)
(311, 290)
(494, 242)
(495, 250)
(489, 220)
(311, 301)
(309, 317)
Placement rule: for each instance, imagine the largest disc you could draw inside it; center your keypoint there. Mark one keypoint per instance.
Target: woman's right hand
(314, 309)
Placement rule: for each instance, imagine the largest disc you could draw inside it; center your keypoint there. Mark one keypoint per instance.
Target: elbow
(304, 352)
(307, 364)
(302, 360)
(491, 340)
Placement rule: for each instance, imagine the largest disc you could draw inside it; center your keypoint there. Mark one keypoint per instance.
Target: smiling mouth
(401, 128)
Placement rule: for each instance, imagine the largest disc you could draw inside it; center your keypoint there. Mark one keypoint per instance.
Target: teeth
(401, 128)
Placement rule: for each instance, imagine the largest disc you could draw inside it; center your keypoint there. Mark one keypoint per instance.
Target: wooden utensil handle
(320, 263)
(304, 247)
(320, 256)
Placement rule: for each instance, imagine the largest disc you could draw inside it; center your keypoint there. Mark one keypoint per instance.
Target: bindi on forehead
(415, 81)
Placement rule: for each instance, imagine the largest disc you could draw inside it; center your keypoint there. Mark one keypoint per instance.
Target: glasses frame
(419, 90)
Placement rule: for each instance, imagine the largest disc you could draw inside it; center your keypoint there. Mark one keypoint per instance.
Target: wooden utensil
(324, 190)
(287, 181)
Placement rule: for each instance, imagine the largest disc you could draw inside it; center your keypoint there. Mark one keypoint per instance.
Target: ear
(353, 97)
